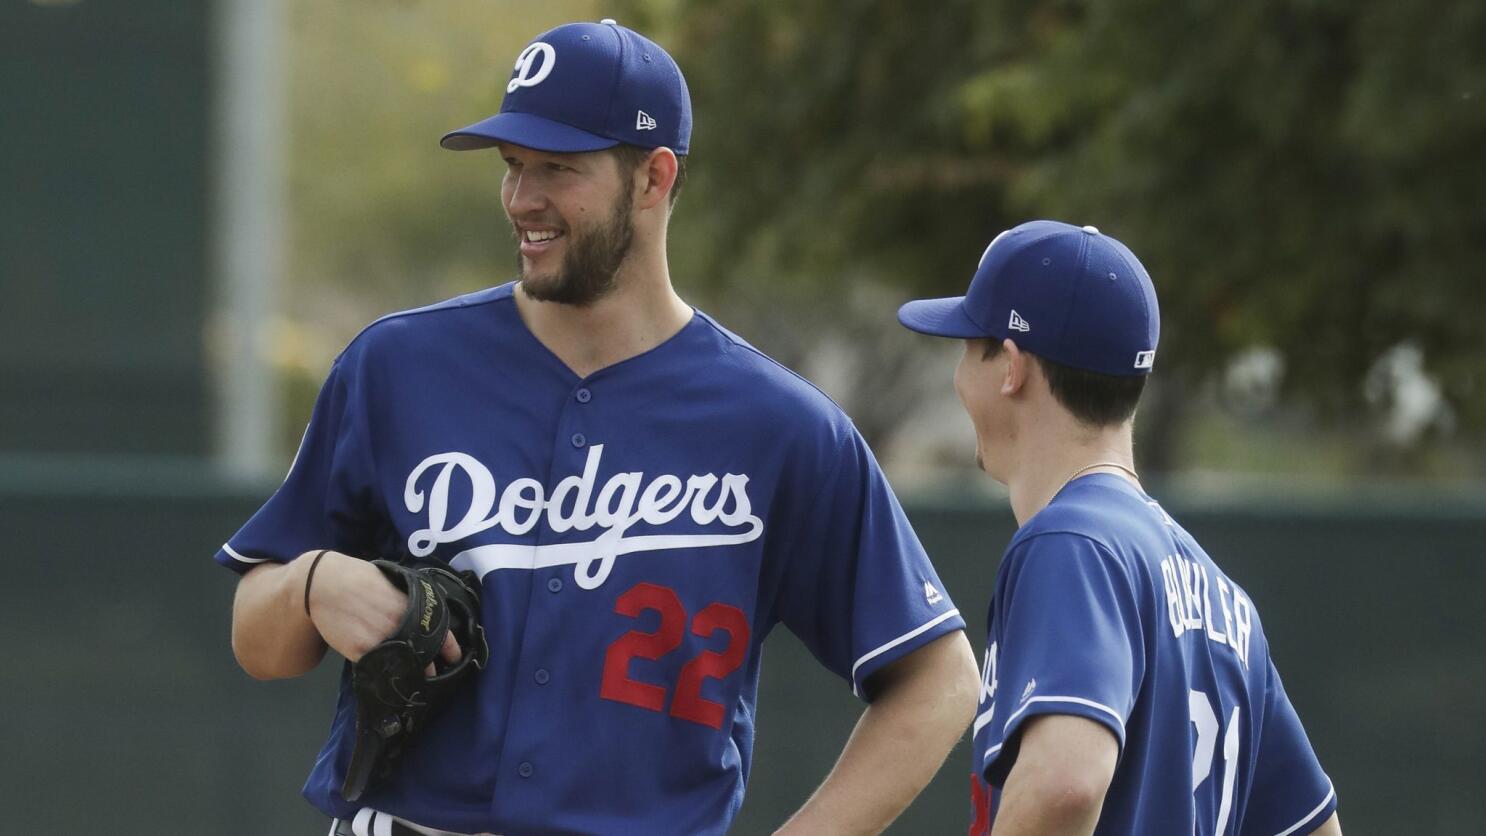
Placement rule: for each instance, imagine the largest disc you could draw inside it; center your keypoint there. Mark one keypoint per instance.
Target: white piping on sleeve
(985, 718)
(231, 552)
(1120, 721)
(855, 686)
(1311, 814)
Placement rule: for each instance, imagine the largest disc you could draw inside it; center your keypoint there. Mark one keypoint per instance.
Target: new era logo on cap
(643, 122)
(1017, 323)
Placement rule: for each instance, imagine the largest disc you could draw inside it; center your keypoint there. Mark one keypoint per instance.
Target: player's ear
(1018, 367)
(655, 177)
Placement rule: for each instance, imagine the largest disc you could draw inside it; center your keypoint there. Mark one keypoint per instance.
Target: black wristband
(310, 578)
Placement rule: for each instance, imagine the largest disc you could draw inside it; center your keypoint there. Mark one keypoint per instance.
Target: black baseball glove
(395, 697)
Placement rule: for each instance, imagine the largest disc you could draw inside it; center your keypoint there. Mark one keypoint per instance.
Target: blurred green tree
(1303, 177)
(387, 214)
(383, 218)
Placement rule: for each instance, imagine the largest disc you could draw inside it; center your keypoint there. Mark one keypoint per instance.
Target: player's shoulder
(771, 384)
(428, 320)
(394, 339)
(1102, 509)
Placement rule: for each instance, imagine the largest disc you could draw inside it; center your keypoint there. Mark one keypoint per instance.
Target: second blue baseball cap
(586, 87)
(1070, 294)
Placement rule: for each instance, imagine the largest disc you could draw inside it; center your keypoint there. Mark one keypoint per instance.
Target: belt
(370, 822)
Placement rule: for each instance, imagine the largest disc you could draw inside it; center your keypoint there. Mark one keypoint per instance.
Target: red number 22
(709, 664)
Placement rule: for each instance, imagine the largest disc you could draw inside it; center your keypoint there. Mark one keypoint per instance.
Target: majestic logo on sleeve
(1028, 691)
(717, 505)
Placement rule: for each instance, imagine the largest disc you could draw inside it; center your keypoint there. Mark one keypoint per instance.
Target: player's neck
(1052, 452)
(642, 312)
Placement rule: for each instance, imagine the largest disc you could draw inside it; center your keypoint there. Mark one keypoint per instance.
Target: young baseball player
(641, 495)
(1128, 687)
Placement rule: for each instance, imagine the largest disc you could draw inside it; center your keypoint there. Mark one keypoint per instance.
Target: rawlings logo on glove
(395, 695)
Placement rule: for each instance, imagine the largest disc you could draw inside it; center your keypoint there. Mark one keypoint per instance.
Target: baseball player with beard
(1128, 686)
(642, 495)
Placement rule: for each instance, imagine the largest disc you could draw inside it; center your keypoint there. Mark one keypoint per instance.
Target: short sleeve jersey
(638, 532)
(1105, 608)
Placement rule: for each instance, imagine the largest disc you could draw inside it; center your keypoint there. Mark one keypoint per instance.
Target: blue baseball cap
(1069, 294)
(586, 87)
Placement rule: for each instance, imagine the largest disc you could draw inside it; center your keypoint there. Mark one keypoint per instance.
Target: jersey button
(579, 439)
(583, 395)
(542, 676)
(526, 770)
(554, 584)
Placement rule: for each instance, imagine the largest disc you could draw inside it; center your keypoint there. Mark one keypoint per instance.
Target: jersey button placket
(527, 735)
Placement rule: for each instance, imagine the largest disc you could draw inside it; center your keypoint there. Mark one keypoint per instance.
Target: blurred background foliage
(1302, 179)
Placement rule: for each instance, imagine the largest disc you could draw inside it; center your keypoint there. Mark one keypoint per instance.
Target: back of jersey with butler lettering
(1105, 608)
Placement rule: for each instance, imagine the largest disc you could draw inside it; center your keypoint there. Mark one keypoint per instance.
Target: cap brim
(940, 318)
(528, 131)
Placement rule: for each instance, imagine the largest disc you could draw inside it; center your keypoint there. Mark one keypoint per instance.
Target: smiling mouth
(539, 236)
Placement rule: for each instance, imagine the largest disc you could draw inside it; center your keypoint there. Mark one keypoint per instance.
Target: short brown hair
(1095, 399)
(631, 157)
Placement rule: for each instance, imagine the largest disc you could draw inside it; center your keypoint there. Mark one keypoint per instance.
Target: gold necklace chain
(1086, 468)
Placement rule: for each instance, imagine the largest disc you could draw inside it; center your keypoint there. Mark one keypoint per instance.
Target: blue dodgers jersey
(1107, 609)
(638, 533)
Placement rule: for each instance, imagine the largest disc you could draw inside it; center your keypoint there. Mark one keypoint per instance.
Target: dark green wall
(122, 702)
(103, 201)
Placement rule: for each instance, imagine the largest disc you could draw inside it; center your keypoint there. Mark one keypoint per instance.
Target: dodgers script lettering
(718, 505)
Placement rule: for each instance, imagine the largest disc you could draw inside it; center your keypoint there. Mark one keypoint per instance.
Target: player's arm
(1061, 774)
(271, 637)
(1332, 827)
(921, 706)
(352, 607)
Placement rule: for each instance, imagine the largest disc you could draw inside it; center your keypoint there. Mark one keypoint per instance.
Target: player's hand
(450, 652)
(355, 607)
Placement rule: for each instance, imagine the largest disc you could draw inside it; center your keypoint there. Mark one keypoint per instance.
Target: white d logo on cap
(525, 77)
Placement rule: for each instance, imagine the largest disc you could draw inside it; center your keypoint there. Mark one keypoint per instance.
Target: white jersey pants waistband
(369, 822)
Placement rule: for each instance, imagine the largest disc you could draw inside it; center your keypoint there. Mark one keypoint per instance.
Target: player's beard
(590, 268)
